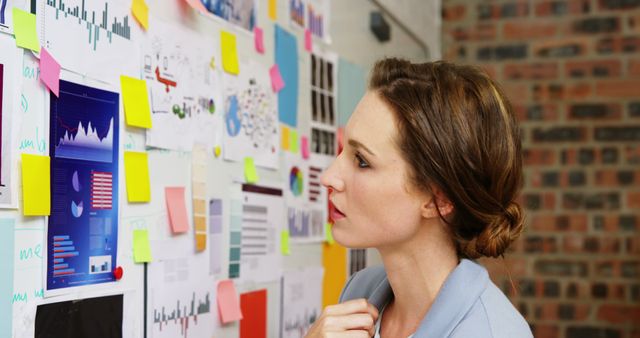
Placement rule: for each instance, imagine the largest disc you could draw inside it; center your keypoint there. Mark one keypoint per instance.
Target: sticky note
(136, 170)
(196, 4)
(24, 29)
(135, 97)
(141, 12)
(307, 40)
(273, 15)
(276, 79)
(229, 53)
(250, 173)
(284, 242)
(177, 209)
(293, 143)
(304, 147)
(228, 303)
(328, 235)
(141, 247)
(36, 185)
(49, 72)
(334, 262)
(284, 138)
(258, 39)
(217, 150)
(254, 311)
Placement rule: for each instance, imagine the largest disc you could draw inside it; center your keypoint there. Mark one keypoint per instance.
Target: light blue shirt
(468, 304)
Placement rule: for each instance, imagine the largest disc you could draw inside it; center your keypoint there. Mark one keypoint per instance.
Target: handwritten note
(141, 12)
(304, 147)
(49, 72)
(250, 173)
(177, 209)
(277, 83)
(24, 29)
(136, 170)
(307, 40)
(228, 302)
(284, 242)
(229, 53)
(258, 39)
(141, 247)
(36, 185)
(135, 98)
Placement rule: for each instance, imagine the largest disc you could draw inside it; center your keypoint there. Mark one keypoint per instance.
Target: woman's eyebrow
(357, 144)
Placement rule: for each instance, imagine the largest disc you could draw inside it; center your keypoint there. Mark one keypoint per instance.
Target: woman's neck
(416, 271)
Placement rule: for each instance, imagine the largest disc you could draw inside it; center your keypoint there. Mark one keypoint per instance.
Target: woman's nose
(331, 176)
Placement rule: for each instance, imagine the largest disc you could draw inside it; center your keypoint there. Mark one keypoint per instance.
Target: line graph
(181, 314)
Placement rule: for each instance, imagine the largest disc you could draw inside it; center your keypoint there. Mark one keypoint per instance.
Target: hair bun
(498, 234)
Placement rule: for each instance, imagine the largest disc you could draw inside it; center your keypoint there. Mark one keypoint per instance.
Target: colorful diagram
(296, 181)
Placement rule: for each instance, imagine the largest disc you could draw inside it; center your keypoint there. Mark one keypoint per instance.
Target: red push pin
(117, 273)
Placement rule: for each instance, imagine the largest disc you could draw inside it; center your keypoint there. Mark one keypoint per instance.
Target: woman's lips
(335, 213)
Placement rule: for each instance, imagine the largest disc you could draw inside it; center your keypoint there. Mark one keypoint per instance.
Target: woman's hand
(355, 318)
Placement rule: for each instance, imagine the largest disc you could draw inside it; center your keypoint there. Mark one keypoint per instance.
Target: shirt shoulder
(363, 283)
(493, 316)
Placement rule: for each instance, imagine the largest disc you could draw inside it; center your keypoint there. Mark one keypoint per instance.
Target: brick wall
(572, 71)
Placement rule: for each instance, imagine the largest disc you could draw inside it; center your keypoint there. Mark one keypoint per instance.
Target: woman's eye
(361, 162)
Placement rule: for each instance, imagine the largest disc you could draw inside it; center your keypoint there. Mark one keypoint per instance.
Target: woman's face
(373, 203)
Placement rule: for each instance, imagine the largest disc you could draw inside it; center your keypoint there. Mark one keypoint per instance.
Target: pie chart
(295, 181)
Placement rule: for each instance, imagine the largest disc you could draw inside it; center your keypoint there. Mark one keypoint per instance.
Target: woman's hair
(458, 133)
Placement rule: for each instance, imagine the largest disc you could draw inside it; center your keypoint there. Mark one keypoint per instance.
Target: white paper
(185, 89)
(251, 116)
(301, 300)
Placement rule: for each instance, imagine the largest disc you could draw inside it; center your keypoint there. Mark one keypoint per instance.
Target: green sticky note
(24, 28)
(250, 173)
(328, 234)
(293, 142)
(136, 171)
(284, 242)
(135, 98)
(36, 185)
(141, 247)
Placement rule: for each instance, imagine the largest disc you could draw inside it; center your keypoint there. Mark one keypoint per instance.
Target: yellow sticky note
(217, 150)
(135, 98)
(284, 242)
(334, 261)
(24, 28)
(229, 53)
(136, 170)
(284, 134)
(141, 247)
(250, 173)
(293, 143)
(328, 235)
(141, 12)
(272, 10)
(36, 185)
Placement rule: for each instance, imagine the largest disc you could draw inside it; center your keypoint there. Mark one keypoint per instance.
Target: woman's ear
(437, 205)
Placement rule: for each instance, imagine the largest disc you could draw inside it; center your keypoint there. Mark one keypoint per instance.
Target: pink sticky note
(196, 4)
(177, 209)
(277, 83)
(49, 71)
(305, 147)
(228, 302)
(258, 38)
(307, 40)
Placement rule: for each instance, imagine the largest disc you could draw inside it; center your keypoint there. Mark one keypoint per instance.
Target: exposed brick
(591, 201)
(545, 330)
(630, 269)
(453, 13)
(619, 88)
(528, 30)
(599, 290)
(632, 154)
(609, 155)
(531, 71)
(628, 222)
(607, 134)
(517, 92)
(634, 109)
(480, 32)
(577, 289)
(538, 156)
(562, 8)
(556, 91)
(540, 244)
(506, 10)
(536, 112)
(595, 111)
(632, 245)
(503, 52)
(592, 332)
(634, 67)
(551, 288)
(569, 47)
(559, 134)
(618, 44)
(595, 68)
(618, 4)
(548, 267)
(596, 25)
(610, 177)
(618, 314)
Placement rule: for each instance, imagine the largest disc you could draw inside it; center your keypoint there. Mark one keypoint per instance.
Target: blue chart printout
(82, 237)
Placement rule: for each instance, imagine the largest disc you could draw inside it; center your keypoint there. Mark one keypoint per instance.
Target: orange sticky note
(304, 144)
(258, 39)
(254, 310)
(272, 10)
(284, 138)
(141, 12)
(177, 209)
(36, 185)
(228, 303)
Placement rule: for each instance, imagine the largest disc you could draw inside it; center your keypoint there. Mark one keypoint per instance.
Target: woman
(428, 176)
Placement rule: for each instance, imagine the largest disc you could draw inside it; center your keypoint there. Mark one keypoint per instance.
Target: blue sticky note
(287, 60)
(6, 282)
(351, 88)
